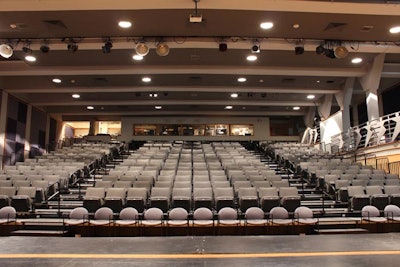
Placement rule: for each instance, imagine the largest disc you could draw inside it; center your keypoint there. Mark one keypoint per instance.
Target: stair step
(38, 233)
(341, 231)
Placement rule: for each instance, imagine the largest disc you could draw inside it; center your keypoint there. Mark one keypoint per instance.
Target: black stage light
(72, 47)
(299, 50)
(106, 48)
(320, 49)
(45, 48)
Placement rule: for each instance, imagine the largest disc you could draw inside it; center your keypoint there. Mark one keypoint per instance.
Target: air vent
(194, 57)
(55, 23)
(288, 80)
(366, 28)
(100, 79)
(338, 26)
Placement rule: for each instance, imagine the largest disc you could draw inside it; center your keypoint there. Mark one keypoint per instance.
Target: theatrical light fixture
(329, 53)
(142, 49)
(162, 49)
(223, 47)
(266, 25)
(76, 96)
(320, 49)
(341, 52)
(72, 47)
(356, 60)
(137, 57)
(124, 24)
(44, 48)
(255, 48)
(106, 48)
(6, 50)
(251, 58)
(56, 80)
(299, 50)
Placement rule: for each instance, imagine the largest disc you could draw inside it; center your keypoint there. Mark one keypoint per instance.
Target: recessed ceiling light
(228, 107)
(251, 58)
(395, 29)
(90, 107)
(137, 57)
(234, 95)
(266, 25)
(241, 79)
(30, 58)
(296, 108)
(310, 96)
(76, 96)
(356, 60)
(146, 79)
(56, 80)
(296, 26)
(318, 81)
(125, 24)
(158, 107)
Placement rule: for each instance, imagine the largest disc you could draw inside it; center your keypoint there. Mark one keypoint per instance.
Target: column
(344, 100)
(370, 84)
(3, 121)
(325, 108)
(28, 132)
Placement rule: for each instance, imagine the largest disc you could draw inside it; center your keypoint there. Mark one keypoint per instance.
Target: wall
(261, 128)
(38, 132)
(331, 126)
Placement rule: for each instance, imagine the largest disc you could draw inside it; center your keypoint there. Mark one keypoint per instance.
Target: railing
(386, 129)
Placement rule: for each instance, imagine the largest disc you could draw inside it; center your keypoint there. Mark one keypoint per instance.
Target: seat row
(190, 198)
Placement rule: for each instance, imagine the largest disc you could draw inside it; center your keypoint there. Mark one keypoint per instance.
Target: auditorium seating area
(183, 188)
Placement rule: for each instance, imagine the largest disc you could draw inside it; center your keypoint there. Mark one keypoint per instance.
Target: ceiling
(195, 79)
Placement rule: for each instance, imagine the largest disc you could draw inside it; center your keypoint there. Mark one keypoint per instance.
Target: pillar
(3, 122)
(28, 132)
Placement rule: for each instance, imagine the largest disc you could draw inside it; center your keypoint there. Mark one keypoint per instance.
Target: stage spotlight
(142, 49)
(6, 50)
(72, 47)
(255, 48)
(162, 49)
(329, 53)
(223, 47)
(299, 50)
(44, 48)
(320, 50)
(106, 48)
(341, 52)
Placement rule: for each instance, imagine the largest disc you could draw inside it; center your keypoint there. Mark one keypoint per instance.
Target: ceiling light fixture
(266, 25)
(241, 79)
(162, 49)
(251, 58)
(310, 96)
(395, 29)
(137, 57)
(228, 107)
(106, 48)
(28, 52)
(124, 24)
(296, 108)
(142, 49)
(356, 60)
(234, 95)
(56, 80)
(158, 107)
(76, 96)
(30, 58)
(256, 47)
(90, 107)
(6, 50)
(146, 79)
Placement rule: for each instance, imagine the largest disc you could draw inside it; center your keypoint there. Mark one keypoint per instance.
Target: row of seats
(22, 198)
(360, 196)
(210, 197)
